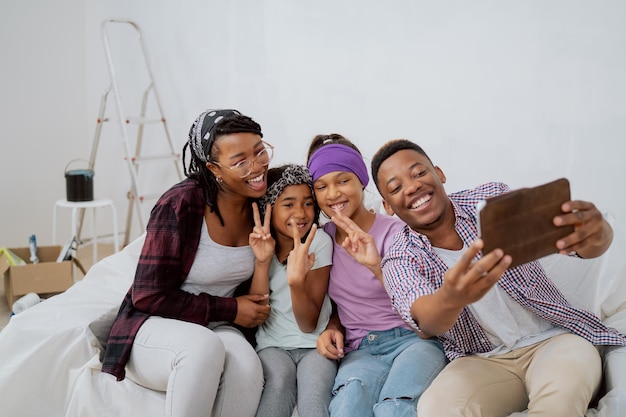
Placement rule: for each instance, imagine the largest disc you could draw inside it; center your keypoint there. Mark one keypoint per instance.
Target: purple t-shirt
(362, 302)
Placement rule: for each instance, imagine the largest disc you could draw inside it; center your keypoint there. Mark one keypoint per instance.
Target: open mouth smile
(420, 202)
(338, 206)
(257, 183)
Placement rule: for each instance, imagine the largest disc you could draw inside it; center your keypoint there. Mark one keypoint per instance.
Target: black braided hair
(197, 169)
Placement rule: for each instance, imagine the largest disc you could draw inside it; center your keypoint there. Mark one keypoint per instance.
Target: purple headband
(337, 157)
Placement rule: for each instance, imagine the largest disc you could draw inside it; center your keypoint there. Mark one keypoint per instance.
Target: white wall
(43, 114)
(522, 91)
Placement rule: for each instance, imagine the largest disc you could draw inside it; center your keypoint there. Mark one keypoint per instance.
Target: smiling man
(513, 339)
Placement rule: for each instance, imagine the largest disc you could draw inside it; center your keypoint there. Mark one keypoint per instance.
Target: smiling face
(294, 205)
(230, 150)
(412, 188)
(339, 191)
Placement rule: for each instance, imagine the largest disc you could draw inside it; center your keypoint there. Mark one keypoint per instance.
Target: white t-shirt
(281, 329)
(506, 323)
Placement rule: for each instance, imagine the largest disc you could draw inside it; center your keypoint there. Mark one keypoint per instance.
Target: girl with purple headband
(383, 365)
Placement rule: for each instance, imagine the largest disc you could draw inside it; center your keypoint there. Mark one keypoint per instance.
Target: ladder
(133, 157)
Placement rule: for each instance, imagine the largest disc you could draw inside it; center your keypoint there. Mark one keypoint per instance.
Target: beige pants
(557, 377)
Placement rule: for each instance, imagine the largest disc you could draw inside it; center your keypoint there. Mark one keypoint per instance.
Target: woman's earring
(219, 180)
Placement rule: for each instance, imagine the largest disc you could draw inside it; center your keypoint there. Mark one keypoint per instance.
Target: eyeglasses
(244, 168)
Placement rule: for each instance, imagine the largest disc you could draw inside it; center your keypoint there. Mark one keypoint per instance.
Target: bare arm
(463, 284)
(263, 246)
(331, 342)
(308, 287)
(307, 299)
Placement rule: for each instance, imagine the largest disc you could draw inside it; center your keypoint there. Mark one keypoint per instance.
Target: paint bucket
(78, 183)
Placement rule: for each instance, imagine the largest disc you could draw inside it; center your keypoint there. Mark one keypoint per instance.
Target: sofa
(50, 353)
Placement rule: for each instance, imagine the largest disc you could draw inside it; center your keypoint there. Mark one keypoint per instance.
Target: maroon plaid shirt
(172, 238)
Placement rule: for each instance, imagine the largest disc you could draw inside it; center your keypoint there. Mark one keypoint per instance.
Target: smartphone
(520, 222)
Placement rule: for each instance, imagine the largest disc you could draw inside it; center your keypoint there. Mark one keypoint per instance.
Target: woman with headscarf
(175, 330)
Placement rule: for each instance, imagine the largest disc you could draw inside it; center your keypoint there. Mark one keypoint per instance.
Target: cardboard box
(44, 278)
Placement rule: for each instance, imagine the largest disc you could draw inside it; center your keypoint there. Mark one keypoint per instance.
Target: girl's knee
(352, 387)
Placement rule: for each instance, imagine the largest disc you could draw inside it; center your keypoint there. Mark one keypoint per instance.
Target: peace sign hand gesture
(300, 261)
(359, 244)
(261, 240)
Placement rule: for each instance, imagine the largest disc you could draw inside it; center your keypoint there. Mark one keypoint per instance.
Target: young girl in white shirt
(293, 261)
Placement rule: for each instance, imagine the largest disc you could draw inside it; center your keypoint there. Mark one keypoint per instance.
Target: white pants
(203, 372)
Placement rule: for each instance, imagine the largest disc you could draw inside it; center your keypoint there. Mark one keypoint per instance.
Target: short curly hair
(390, 148)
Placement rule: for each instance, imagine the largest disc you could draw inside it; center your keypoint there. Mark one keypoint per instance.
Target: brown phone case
(520, 222)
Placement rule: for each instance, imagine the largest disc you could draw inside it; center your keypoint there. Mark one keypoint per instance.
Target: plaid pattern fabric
(412, 269)
(172, 238)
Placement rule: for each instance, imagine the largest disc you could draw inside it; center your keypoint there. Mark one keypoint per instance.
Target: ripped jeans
(386, 375)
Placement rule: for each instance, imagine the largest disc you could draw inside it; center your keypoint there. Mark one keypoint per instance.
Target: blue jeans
(386, 375)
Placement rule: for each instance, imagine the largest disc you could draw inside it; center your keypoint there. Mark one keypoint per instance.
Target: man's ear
(440, 174)
(388, 208)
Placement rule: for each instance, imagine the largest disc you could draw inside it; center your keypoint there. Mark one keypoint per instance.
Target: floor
(84, 254)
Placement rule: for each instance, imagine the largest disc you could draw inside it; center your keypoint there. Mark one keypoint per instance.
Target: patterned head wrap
(337, 157)
(202, 131)
(292, 175)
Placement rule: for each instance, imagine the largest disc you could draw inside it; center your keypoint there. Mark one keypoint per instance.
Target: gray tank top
(218, 269)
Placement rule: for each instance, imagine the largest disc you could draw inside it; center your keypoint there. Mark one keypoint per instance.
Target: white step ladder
(133, 158)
